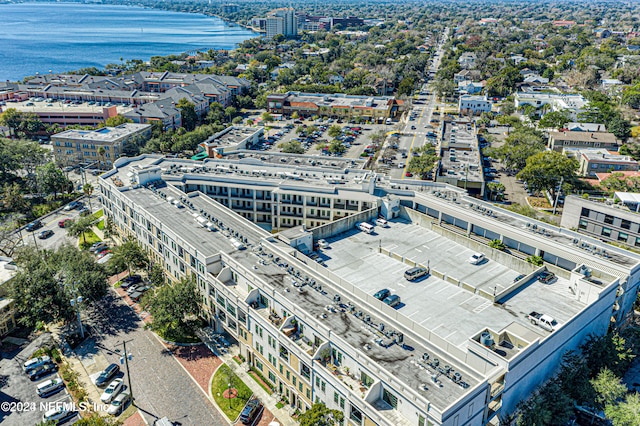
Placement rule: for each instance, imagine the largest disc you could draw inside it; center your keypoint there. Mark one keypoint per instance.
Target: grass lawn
(98, 214)
(230, 407)
(100, 225)
(89, 238)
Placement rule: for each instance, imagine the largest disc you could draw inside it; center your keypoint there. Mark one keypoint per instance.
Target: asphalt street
(159, 384)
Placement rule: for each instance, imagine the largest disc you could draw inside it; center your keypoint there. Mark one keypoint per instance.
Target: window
(259, 365)
(323, 386)
(300, 386)
(335, 397)
(308, 393)
(281, 369)
(608, 219)
(318, 382)
(585, 212)
(637, 244)
(622, 236)
(389, 398)
(288, 375)
(342, 403)
(606, 232)
(272, 376)
(625, 224)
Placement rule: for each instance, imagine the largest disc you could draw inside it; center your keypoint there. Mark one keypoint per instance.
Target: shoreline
(103, 68)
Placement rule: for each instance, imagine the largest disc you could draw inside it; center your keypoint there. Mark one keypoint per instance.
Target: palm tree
(87, 188)
(80, 227)
(101, 153)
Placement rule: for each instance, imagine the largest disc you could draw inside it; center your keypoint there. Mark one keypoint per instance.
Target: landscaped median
(230, 399)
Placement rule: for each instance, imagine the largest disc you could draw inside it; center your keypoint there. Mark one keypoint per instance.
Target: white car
(111, 391)
(323, 244)
(58, 415)
(476, 258)
(119, 403)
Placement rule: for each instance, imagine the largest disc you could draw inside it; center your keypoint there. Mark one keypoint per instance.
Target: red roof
(306, 105)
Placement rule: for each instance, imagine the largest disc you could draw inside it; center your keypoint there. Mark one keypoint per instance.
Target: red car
(65, 222)
(408, 174)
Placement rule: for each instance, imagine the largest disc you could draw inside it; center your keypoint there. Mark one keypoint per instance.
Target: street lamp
(229, 393)
(124, 359)
(75, 302)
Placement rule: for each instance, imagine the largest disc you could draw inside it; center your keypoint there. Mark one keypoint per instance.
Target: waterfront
(37, 38)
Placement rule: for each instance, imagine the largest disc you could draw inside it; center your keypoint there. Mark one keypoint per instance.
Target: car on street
(111, 391)
(45, 234)
(119, 403)
(382, 294)
(250, 411)
(546, 277)
(36, 224)
(63, 223)
(476, 258)
(42, 371)
(71, 206)
(107, 374)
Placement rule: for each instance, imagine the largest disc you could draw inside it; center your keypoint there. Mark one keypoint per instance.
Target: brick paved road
(160, 386)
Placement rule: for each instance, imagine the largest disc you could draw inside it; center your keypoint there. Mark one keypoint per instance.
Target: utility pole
(126, 357)
(555, 203)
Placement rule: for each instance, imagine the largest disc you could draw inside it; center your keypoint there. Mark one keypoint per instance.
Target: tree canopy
(175, 309)
(320, 415)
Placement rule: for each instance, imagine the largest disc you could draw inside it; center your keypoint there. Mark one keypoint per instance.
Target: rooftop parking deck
(452, 312)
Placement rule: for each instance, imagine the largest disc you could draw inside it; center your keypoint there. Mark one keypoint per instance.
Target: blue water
(67, 36)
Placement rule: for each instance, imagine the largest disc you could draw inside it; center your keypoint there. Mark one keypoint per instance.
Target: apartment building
(336, 105)
(7, 310)
(475, 105)
(282, 21)
(81, 146)
(573, 104)
(599, 160)
(567, 139)
(231, 139)
(459, 350)
(67, 114)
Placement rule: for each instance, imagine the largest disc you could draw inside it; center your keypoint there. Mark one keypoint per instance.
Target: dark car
(107, 374)
(45, 234)
(382, 294)
(36, 224)
(546, 277)
(130, 280)
(250, 411)
(42, 371)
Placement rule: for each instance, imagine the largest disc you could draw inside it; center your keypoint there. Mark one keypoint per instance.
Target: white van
(34, 363)
(382, 222)
(48, 387)
(364, 226)
(388, 121)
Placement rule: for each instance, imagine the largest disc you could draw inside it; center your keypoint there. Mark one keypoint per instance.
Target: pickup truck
(542, 320)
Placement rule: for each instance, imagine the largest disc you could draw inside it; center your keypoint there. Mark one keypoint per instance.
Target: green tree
(423, 161)
(554, 120)
(87, 188)
(337, 147)
(625, 413)
(609, 351)
(156, 275)
(175, 309)
(574, 377)
(320, 415)
(496, 190)
(291, 147)
(544, 170)
(267, 117)
(116, 120)
(80, 226)
(608, 388)
(130, 253)
(334, 131)
(51, 179)
(12, 198)
(497, 244)
(12, 118)
(406, 86)
(188, 113)
(96, 420)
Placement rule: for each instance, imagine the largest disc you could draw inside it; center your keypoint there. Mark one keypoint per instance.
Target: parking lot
(355, 142)
(452, 312)
(20, 404)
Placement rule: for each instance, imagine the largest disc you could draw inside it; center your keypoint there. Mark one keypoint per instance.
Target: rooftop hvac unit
(435, 362)
(367, 318)
(425, 357)
(457, 377)
(336, 298)
(381, 327)
(399, 338)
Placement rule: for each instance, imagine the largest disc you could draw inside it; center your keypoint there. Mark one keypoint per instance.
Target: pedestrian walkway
(283, 416)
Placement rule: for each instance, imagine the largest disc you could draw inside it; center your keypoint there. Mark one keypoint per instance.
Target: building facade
(316, 332)
(103, 145)
(476, 105)
(561, 140)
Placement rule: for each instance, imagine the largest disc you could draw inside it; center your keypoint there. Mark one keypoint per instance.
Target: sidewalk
(283, 416)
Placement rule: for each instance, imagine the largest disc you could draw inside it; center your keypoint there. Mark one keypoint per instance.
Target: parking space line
(449, 335)
(425, 320)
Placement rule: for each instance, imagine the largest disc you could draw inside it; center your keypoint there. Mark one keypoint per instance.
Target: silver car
(111, 391)
(119, 403)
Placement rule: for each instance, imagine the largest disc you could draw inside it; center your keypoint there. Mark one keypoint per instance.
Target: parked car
(85, 211)
(107, 374)
(119, 403)
(250, 411)
(546, 277)
(34, 363)
(323, 244)
(111, 391)
(65, 222)
(36, 224)
(100, 245)
(45, 234)
(127, 282)
(49, 387)
(42, 371)
(393, 300)
(476, 258)
(382, 294)
(59, 415)
(415, 273)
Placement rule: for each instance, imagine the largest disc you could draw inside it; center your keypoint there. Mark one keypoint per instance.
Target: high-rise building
(282, 21)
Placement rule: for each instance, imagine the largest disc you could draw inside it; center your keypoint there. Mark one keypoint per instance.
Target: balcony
(275, 319)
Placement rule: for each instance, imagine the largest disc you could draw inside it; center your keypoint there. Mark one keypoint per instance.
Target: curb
(186, 345)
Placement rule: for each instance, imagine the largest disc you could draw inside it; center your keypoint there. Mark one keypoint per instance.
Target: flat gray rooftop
(452, 312)
(401, 361)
